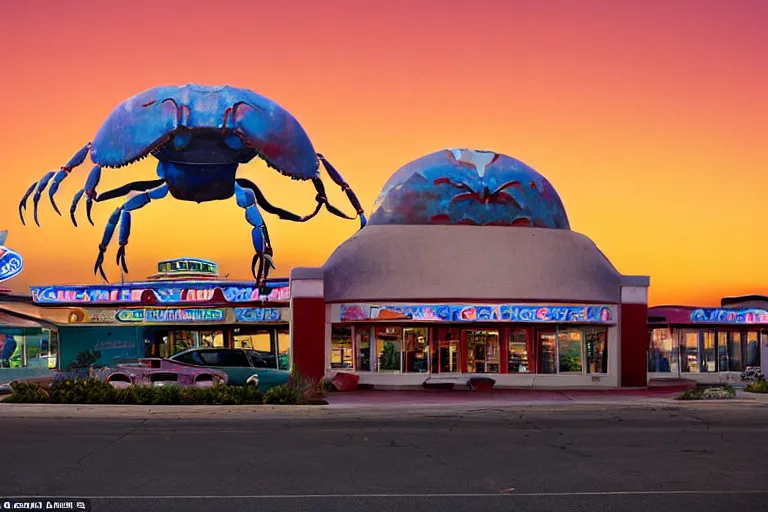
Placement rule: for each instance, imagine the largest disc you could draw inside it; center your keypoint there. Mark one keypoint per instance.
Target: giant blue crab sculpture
(199, 135)
(468, 186)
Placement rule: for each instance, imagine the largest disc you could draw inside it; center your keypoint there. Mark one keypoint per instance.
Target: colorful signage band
(258, 314)
(162, 292)
(11, 263)
(729, 316)
(527, 313)
(171, 315)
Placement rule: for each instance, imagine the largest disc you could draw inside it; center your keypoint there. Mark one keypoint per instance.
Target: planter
(344, 381)
(481, 383)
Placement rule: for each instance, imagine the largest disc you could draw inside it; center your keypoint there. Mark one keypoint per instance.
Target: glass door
(363, 349)
(482, 351)
(517, 352)
(445, 358)
(546, 348)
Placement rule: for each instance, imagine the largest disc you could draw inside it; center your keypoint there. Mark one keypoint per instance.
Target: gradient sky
(649, 117)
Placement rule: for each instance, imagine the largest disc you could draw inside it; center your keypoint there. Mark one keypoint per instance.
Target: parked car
(242, 366)
(154, 371)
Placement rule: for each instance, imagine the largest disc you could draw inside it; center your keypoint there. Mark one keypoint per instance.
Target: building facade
(708, 344)
(468, 267)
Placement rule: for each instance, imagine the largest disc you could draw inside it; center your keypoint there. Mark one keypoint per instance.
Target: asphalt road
(708, 458)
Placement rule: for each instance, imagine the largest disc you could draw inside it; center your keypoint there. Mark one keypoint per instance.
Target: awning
(16, 319)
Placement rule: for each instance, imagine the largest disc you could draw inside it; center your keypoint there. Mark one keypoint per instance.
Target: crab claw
(57, 179)
(73, 208)
(90, 193)
(97, 267)
(41, 186)
(125, 233)
(23, 202)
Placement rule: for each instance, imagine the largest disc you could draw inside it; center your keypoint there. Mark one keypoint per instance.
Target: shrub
(94, 391)
(760, 386)
(325, 386)
(82, 391)
(283, 394)
(27, 393)
(708, 392)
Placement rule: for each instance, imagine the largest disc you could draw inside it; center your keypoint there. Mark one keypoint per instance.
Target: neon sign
(148, 315)
(258, 314)
(729, 316)
(162, 292)
(525, 313)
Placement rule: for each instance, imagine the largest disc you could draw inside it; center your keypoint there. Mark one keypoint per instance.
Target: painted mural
(159, 292)
(729, 316)
(599, 314)
(99, 345)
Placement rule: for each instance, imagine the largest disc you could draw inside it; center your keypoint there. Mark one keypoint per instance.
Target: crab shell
(462, 186)
(143, 123)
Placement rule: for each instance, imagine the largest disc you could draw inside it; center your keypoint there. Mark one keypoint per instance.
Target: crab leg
(246, 199)
(94, 177)
(339, 180)
(136, 186)
(270, 208)
(58, 177)
(134, 203)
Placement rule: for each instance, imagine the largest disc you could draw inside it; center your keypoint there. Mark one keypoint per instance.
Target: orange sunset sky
(649, 117)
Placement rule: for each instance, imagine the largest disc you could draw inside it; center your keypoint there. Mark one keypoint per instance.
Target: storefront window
(389, 341)
(283, 349)
(27, 352)
(707, 351)
(735, 358)
(341, 347)
(722, 351)
(212, 339)
(517, 351)
(596, 349)
(752, 349)
(445, 358)
(363, 349)
(569, 345)
(545, 346)
(483, 351)
(256, 340)
(416, 347)
(260, 343)
(181, 340)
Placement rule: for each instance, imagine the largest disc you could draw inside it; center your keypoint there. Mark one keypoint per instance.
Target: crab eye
(182, 140)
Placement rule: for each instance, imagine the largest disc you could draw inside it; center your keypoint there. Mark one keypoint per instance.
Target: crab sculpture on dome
(473, 187)
(200, 135)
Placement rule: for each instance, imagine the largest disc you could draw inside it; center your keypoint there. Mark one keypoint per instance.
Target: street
(705, 457)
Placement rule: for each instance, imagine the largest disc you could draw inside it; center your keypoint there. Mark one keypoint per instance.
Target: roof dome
(466, 186)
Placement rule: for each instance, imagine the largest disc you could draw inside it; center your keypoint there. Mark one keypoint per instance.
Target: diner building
(468, 267)
(184, 305)
(708, 344)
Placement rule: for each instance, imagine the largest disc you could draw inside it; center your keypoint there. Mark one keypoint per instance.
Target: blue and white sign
(11, 262)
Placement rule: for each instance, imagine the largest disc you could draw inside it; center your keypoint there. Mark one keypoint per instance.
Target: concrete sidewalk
(395, 404)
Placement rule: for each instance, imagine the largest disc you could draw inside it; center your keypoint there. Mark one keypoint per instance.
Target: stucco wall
(444, 263)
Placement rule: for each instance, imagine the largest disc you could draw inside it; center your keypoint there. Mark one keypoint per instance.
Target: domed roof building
(469, 266)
